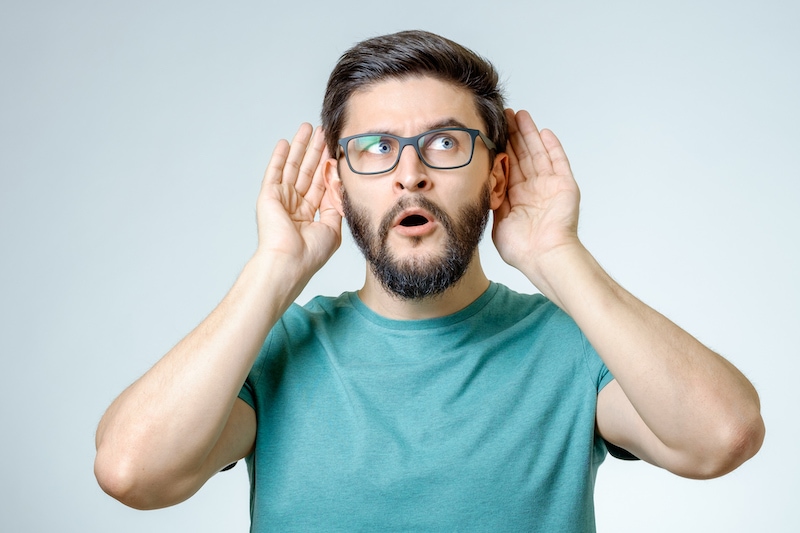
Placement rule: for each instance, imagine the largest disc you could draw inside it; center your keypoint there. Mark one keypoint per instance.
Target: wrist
(564, 273)
(272, 279)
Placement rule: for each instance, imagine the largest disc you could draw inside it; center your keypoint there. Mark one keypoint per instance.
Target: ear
(333, 183)
(498, 180)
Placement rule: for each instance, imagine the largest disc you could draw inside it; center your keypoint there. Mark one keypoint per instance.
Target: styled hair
(408, 54)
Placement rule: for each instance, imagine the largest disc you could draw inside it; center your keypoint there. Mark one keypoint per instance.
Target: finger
(329, 215)
(311, 162)
(558, 156)
(531, 151)
(519, 157)
(297, 152)
(522, 156)
(316, 188)
(501, 212)
(277, 160)
(515, 174)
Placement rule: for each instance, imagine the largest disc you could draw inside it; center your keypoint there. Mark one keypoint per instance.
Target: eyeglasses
(441, 149)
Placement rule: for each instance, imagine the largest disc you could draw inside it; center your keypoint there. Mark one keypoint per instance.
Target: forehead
(409, 106)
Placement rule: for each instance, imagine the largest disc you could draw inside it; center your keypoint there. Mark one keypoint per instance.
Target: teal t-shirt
(483, 420)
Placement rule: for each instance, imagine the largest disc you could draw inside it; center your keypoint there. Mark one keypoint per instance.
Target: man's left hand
(540, 212)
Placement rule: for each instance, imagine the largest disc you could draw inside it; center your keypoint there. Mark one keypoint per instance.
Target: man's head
(418, 223)
(407, 54)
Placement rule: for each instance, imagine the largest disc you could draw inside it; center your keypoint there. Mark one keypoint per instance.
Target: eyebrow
(449, 122)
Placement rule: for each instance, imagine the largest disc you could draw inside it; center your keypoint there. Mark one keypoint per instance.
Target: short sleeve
(598, 371)
(248, 392)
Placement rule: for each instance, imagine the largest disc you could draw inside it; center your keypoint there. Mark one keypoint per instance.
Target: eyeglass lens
(439, 149)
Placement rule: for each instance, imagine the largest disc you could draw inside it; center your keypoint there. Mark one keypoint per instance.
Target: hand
(540, 211)
(292, 192)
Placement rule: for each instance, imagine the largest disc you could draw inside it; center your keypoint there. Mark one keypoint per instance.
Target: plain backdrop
(133, 138)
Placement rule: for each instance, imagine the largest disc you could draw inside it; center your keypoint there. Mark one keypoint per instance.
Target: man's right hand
(292, 191)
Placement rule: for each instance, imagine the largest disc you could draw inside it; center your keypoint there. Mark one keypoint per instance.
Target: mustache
(413, 201)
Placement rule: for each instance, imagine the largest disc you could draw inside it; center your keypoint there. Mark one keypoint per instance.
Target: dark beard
(414, 279)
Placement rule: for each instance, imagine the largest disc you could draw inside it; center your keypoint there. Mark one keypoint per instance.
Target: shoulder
(318, 311)
(533, 309)
(534, 319)
(302, 329)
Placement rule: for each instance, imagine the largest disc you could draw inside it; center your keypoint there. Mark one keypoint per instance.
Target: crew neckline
(424, 323)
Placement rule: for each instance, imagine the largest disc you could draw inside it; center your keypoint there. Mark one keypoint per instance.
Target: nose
(410, 173)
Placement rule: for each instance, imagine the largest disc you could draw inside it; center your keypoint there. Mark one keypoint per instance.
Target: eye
(373, 144)
(442, 141)
(382, 147)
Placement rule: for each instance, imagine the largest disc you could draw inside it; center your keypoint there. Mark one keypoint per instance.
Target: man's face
(418, 227)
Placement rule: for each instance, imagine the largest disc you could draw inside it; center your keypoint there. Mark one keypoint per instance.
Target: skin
(407, 108)
(674, 402)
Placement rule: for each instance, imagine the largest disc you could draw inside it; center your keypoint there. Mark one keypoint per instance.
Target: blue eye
(373, 144)
(381, 147)
(442, 142)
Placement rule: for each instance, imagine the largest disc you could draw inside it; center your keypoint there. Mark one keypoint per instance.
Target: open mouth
(413, 220)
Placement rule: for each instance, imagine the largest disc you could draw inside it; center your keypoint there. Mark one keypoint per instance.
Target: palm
(540, 212)
(292, 192)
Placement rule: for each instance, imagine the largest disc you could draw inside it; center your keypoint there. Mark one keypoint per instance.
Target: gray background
(133, 137)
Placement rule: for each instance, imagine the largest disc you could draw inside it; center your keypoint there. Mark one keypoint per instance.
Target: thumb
(329, 215)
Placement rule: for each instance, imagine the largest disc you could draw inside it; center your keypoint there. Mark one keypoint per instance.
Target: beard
(420, 277)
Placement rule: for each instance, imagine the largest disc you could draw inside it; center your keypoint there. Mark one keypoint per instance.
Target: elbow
(125, 480)
(116, 481)
(735, 443)
(745, 441)
(117, 477)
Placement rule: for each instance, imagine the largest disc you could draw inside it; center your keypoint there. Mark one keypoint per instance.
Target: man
(431, 399)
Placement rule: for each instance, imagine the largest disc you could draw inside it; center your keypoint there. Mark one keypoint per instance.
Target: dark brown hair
(413, 53)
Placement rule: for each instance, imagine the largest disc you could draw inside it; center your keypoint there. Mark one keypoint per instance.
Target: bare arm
(674, 402)
(170, 431)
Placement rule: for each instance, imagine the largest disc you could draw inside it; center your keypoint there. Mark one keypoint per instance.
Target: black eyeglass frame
(413, 141)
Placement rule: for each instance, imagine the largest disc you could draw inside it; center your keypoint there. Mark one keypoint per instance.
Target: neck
(465, 291)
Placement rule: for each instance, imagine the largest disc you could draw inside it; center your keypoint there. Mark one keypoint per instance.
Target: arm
(181, 422)
(674, 402)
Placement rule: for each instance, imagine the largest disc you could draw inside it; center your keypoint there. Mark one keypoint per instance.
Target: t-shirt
(483, 420)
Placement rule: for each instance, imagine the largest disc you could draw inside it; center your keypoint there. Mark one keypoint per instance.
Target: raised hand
(540, 212)
(292, 192)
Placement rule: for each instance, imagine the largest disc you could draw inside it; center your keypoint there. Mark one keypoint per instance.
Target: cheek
(359, 212)
(371, 200)
(469, 189)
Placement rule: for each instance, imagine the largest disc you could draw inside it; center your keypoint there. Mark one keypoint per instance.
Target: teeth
(414, 220)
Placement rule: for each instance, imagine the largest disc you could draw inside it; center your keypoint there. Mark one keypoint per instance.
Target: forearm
(163, 427)
(694, 401)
